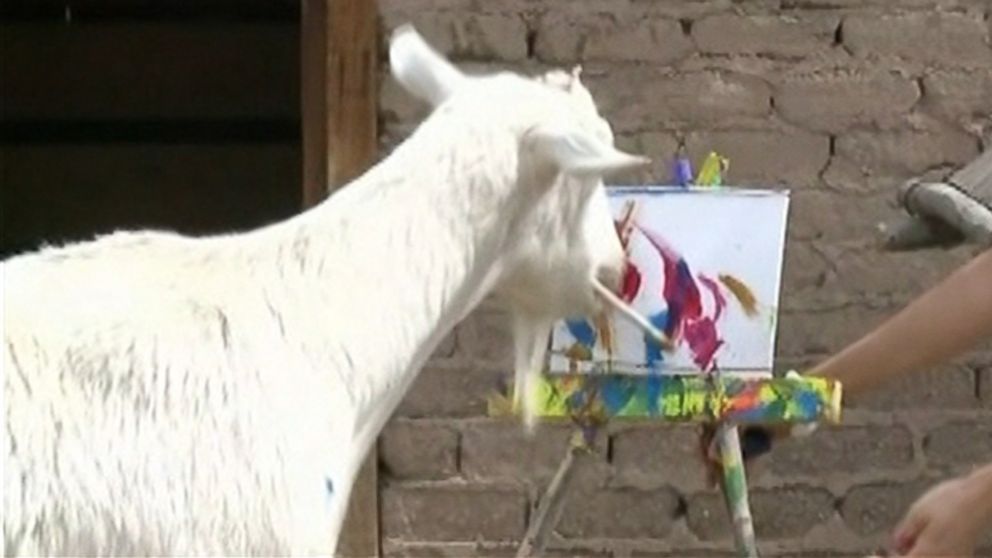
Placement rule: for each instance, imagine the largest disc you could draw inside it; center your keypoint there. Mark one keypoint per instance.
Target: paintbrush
(634, 316)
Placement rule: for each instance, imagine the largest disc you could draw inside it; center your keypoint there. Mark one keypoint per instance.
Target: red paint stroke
(743, 400)
(703, 340)
(631, 284)
(686, 320)
(719, 301)
(681, 292)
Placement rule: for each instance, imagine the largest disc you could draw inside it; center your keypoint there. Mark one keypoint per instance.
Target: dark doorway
(166, 114)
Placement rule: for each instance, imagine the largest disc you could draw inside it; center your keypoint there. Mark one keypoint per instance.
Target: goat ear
(578, 152)
(420, 69)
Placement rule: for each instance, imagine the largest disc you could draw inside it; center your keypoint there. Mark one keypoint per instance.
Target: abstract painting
(705, 268)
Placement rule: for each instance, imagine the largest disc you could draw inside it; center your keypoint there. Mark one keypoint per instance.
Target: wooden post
(339, 55)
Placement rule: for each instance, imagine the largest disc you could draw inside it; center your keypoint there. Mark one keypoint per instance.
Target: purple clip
(683, 168)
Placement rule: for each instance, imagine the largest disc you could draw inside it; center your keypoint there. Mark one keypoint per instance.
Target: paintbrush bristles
(614, 301)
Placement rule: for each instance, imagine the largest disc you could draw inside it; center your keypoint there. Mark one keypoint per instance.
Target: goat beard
(531, 335)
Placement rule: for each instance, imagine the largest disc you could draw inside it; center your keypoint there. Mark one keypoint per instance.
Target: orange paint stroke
(742, 293)
(605, 328)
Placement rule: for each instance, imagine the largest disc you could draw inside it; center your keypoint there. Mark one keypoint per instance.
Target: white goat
(175, 396)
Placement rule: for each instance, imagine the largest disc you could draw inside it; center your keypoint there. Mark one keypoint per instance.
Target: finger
(907, 533)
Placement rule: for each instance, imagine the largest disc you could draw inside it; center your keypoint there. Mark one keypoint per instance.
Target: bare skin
(947, 320)
(949, 518)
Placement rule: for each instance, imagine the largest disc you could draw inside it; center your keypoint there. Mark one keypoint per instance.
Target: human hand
(947, 520)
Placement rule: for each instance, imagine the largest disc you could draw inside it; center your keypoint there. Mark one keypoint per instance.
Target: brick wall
(840, 100)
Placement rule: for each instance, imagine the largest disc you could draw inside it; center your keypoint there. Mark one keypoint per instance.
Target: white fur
(167, 395)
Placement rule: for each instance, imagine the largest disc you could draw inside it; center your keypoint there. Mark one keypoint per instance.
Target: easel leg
(549, 509)
(735, 490)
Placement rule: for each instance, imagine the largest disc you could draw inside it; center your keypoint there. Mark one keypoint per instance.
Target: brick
(841, 450)
(401, 549)
(835, 4)
(861, 273)
(465, 34)
(392, 134)
(655, 456)
(452, 513)
(583, 551)
(779, 513)
(802, 332)
(500, 450)
(932, 38)
(638, 9)
(959, 445)
(659, 146)
(485, 336)
(397, 105)
(765, 158)
(602, 37)
(445, 390)
(904, 153)
(706, 515)
(619, 514)
(958, 94)
(836, 100)
(877, 507)
(447, 347)
(418, 450)
(984, 369)
(838, 216)
(791, 511)
(780, 35)
(950, 386)
(396, 10)
(637, 99)
(685, 552)
(803, 268)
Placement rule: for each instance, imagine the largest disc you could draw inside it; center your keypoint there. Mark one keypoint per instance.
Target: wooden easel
(725, 402)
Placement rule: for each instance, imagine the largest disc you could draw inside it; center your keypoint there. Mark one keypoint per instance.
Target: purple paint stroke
(686, 319)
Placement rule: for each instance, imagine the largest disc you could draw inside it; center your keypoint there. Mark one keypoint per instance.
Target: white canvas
(719, 233)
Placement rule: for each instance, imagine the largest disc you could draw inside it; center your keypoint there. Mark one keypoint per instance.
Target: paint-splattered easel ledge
(688, 398)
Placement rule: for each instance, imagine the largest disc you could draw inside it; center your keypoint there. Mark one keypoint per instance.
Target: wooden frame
(339, 58)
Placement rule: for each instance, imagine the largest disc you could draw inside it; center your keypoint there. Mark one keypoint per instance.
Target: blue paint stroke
(808, 404)
(653, 356)
(582, 331)
(616, 392)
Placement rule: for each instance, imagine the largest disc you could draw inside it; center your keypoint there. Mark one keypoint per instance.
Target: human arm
(945, 321)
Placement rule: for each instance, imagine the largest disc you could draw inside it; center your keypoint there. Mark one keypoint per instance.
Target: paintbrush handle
(634, 316)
